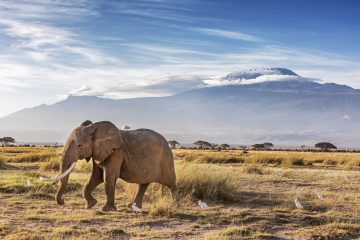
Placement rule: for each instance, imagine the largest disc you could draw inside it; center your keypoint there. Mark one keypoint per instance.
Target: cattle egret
(297, 203)
(346, 179)
(29, 182)
(202, 204)
(320, 196)
(135, 208)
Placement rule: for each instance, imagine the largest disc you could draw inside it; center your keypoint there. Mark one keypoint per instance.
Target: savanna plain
(250, 194)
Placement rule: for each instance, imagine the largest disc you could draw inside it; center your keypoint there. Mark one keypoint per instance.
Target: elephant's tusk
(54, 179)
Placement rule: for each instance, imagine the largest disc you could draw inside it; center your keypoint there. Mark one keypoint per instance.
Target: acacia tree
(6, 140)
(203, 144)
(224, 146)
(265, 145)
(325, 146)
(268, 144)
(173, 144)
(258, 146)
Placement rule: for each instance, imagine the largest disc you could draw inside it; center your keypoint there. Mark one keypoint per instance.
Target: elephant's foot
(90, 203)
(109, 208)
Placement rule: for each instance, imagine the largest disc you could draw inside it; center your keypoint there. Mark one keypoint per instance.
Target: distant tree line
(266, 146)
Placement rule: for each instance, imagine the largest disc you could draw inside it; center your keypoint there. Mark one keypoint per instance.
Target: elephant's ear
(106, 137)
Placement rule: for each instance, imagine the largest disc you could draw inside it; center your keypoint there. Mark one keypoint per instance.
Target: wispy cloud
(229, 34)
(32, 35)
(45, 9)
(42, 41)
(175, 11)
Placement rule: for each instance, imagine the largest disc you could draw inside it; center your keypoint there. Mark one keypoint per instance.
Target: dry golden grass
(204, 182)
(249, 199)
(270, 158)
(53, 164)
(17, 155)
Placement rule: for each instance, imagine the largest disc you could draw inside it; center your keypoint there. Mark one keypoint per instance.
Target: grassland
(250, 196)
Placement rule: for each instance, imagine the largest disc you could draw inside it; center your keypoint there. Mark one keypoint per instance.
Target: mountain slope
(287, 111)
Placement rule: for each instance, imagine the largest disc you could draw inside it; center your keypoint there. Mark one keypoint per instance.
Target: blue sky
(121, 49)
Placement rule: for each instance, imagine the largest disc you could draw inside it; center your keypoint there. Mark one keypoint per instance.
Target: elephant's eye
(79, 145)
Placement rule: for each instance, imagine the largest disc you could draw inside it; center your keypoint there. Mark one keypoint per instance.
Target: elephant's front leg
(111, 174)
(95, 179)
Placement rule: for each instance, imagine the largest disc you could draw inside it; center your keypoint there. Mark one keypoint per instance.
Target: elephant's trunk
(62, 183)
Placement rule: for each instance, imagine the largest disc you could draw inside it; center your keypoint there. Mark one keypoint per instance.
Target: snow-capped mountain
(256, 75)
(291, 111)
(253, 73)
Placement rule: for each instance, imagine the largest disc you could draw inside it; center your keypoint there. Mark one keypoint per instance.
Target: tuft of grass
(83, 166)
(294, 161)
(331, 162)
(214, 159)
(41, 196)
(52, 165)
(297, 161)
(253, 169)
(231, 233)
(118, 234)
(200, 182)
(163, 207)
(332, 231)
(4, 229)
(267, 159)
(66, 232)
(2, 164)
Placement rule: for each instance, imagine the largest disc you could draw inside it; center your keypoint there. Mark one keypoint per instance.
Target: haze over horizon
(127, 49)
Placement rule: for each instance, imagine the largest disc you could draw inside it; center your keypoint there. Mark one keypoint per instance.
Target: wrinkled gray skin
(139, 156)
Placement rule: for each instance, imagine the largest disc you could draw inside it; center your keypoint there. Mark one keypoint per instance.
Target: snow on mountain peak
(253, 73)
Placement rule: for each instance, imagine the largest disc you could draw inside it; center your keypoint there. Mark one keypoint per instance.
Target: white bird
(29, 182)
(320, 196)
(346, 179)
(278, 174)
(42, 178)
(135, 208)
(297, 203)
(125, 128)
(202, 204)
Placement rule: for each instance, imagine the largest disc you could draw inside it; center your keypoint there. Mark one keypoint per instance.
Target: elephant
(140, 156)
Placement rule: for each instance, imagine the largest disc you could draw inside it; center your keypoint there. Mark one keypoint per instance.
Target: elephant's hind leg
(140, 195)
(95, 179)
